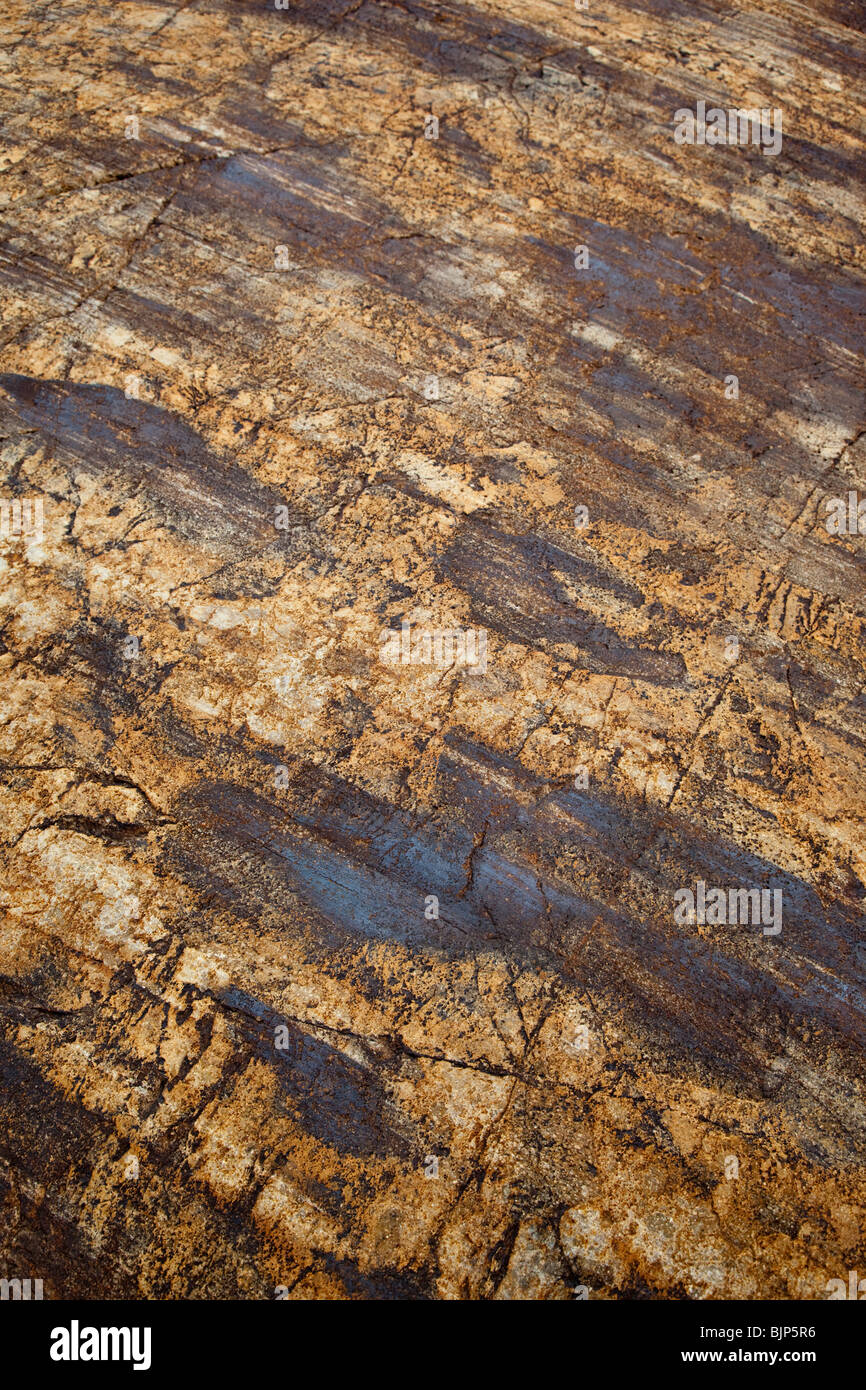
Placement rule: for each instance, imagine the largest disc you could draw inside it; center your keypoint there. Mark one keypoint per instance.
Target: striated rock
(418, 598)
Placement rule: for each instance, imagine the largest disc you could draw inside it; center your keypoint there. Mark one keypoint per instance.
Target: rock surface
(242, 1055)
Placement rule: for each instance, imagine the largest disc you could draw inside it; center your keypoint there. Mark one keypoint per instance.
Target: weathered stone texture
(580, 1065)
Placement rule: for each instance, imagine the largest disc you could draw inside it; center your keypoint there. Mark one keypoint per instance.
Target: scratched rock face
(434, 730)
